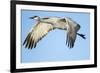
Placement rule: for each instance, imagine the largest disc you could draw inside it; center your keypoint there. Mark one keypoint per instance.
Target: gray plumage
(44, 25)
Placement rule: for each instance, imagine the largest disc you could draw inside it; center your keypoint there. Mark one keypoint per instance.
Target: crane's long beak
(31, 17)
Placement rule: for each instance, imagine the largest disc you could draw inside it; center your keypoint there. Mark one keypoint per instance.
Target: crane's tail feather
(81, 35)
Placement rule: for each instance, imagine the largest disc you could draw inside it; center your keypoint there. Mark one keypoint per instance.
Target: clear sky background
(52, 47)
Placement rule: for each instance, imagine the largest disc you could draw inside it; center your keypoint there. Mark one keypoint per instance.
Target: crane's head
(35, 17)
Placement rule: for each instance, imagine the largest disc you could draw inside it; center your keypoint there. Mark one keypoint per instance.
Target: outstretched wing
(36, 34)
(72, 29)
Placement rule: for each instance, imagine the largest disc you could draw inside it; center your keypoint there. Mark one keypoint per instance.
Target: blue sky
(52, 47)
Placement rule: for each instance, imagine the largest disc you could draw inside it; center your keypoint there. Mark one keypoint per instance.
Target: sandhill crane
(44, 25)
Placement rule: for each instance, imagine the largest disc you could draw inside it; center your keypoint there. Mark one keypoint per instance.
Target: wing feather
(36, 34)
(71, 34)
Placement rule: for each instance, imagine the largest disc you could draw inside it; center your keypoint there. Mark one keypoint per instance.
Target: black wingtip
(35, 45)
(70, 42)
(24, 42)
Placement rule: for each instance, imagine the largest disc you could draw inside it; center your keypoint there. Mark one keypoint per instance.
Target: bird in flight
(47, 24)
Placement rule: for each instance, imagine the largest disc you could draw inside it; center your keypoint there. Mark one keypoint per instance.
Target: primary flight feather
(44, 25)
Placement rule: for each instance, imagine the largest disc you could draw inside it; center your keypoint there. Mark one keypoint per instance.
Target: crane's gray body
(44, 25)
(61, 23)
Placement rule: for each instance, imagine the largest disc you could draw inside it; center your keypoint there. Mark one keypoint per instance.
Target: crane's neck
(38, 18)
